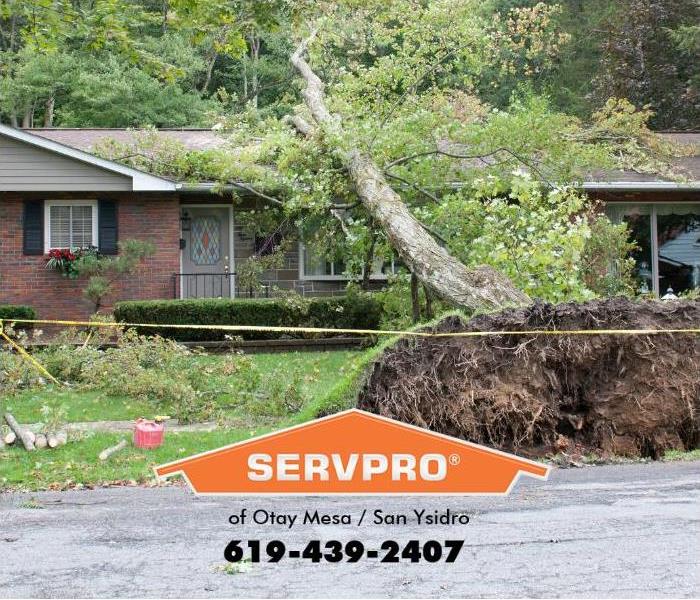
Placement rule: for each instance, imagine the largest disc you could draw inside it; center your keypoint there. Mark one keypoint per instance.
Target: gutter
(198, 188)
(195, 188)
(639, 186)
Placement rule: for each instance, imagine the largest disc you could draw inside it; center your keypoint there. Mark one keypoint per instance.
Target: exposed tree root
(609, 394)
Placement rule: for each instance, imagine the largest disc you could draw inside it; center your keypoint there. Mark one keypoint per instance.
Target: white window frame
(653, 233)
(342, 277)
(47, 220)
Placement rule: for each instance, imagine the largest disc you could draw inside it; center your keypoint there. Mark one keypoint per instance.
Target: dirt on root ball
(628, 395)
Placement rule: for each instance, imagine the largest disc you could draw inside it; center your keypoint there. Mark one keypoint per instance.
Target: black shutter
(107, 229)
(33, 223)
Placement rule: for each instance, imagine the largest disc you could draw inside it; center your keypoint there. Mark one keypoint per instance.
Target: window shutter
(107, 227)
(33, 222)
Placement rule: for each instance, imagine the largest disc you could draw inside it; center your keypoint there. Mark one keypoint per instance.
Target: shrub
(172, 378)
(17, 374)
(16, 311)
(68, 363)
(353, 311)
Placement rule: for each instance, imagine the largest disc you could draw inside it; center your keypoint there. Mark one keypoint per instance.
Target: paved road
(613, 531)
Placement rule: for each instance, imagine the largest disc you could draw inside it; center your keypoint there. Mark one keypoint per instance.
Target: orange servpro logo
(353, 452)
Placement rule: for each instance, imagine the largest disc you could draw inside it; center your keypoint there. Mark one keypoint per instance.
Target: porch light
(185, 221)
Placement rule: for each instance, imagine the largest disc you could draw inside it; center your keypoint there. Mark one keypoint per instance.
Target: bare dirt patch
(538, 394)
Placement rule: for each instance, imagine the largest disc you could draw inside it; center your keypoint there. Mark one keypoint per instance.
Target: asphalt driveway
(612, 531)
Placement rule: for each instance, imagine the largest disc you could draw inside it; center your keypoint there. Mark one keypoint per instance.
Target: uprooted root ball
(629, 395)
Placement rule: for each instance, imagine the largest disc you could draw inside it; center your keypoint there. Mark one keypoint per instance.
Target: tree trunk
(27, 119)
(428, 303)
(107, 452)
(164, 12)
(479, 288)
(210, 69)
(48, 112)
(22, 434)
(54, 440)
(245, 81)
(254, 40)
(368, 262)
(415, 299)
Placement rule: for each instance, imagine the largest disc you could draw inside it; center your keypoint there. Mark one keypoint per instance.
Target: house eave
(140, 181)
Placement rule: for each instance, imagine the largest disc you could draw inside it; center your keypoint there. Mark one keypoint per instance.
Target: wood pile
(29, 439)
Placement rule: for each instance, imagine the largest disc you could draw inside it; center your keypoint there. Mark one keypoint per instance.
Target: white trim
(140, 181)
(231, 261)
(304, 277)
(47, 220)
(654, 237)
(653, 233)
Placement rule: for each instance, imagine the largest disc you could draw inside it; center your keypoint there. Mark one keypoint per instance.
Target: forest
(184, 63)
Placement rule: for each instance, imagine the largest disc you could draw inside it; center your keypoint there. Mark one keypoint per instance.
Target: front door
(206, 255)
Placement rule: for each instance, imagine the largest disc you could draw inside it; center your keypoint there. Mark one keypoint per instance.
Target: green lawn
(327, 377)
(321, 370)
(77, 461)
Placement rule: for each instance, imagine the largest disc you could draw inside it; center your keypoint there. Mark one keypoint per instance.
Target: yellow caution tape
(241, 328)
(271, 329)
(26, 355)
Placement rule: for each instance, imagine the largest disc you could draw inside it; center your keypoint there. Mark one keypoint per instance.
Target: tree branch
(415, 186)
(302, 125)
(313, 92)
(255, 192)
(483, 155)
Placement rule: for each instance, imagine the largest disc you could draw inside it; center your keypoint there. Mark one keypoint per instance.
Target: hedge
(16, 311)
(353, 311)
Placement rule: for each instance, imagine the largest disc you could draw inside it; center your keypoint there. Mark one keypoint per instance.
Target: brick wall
(24, 280)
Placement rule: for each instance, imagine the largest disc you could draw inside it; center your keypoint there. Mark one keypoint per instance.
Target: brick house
(55, 193)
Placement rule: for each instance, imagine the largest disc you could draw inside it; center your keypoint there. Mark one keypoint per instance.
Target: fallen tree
(24, 435)
(442, 273)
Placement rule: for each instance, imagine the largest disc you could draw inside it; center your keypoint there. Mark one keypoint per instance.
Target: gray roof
(205, 139)
(688, 166)
(87, 139)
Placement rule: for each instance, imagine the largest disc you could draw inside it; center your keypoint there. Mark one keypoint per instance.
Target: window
(668, 235)
(70, 224)
(314, 266)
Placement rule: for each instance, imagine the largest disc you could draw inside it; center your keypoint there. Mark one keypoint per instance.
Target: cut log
(62, 438)
(24, 435)
(31, 435)
(479, 288)
(52, 440)
(107, 452)
(10, 438)
(40, 441)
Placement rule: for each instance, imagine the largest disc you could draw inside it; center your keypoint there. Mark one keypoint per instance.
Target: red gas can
(148, 434)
